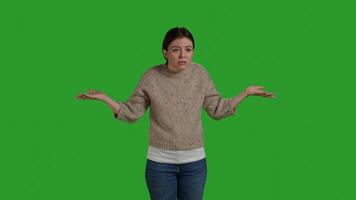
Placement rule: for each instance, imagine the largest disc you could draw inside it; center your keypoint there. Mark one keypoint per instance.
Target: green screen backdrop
(300, 145)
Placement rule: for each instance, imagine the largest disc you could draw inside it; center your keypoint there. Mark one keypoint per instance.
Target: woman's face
(179, 54)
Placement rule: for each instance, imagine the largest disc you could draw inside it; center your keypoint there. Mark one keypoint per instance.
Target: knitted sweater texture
(175, 100)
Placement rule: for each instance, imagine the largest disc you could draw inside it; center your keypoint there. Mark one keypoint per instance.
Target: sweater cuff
(117, 114)
(231, 109)
(122, 114)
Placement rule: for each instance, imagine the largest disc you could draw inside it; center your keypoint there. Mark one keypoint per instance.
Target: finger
(80, 97)
(85, 96)
(271, 96)
(265, 94)
(262, 93)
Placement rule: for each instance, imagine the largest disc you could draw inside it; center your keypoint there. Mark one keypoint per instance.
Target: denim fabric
(176, 181)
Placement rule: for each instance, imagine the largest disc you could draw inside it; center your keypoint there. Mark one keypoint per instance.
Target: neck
(174, 73)
(173, 69)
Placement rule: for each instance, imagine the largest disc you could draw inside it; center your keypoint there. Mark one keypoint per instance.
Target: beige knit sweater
(175, 100)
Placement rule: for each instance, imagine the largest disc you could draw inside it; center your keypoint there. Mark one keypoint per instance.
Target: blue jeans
(171, 181)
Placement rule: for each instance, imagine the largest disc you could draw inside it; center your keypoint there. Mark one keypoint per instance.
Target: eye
(189, 49)
(175, 50)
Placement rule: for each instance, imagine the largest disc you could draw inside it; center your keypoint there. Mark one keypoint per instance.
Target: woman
(176, 91)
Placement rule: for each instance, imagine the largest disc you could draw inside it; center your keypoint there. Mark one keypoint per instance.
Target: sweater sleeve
(132, 109)
(214, 104)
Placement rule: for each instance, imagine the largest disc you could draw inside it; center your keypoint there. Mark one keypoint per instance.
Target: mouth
(182, 62)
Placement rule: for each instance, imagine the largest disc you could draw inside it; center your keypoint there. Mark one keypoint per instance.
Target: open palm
(93, 94)
(257, 91)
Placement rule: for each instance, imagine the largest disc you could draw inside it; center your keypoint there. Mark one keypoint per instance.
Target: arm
(132, 109)
(237, 100)
(215, 105)
(129, 111)
(252, 90)
(115, 107)
(218, 107)
(100, 96)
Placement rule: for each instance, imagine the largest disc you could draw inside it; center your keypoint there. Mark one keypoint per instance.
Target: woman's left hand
(257, 91)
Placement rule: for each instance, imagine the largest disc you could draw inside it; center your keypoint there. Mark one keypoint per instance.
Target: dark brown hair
(174, 33)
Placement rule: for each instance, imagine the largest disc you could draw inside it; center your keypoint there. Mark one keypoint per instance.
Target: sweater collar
(180, 74)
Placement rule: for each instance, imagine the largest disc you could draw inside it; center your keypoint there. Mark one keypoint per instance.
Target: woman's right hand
(93, 94)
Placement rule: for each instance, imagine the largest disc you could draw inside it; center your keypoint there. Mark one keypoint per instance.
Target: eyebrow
(179, 46)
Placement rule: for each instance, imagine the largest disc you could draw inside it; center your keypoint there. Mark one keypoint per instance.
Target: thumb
(91, 91)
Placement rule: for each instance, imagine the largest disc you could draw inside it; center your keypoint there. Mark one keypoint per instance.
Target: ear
(164, 53)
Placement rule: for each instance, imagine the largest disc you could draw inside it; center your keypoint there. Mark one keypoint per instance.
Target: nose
(182, 54)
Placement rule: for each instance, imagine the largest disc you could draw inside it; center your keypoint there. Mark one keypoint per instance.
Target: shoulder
(200, 70)
(151, 72)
